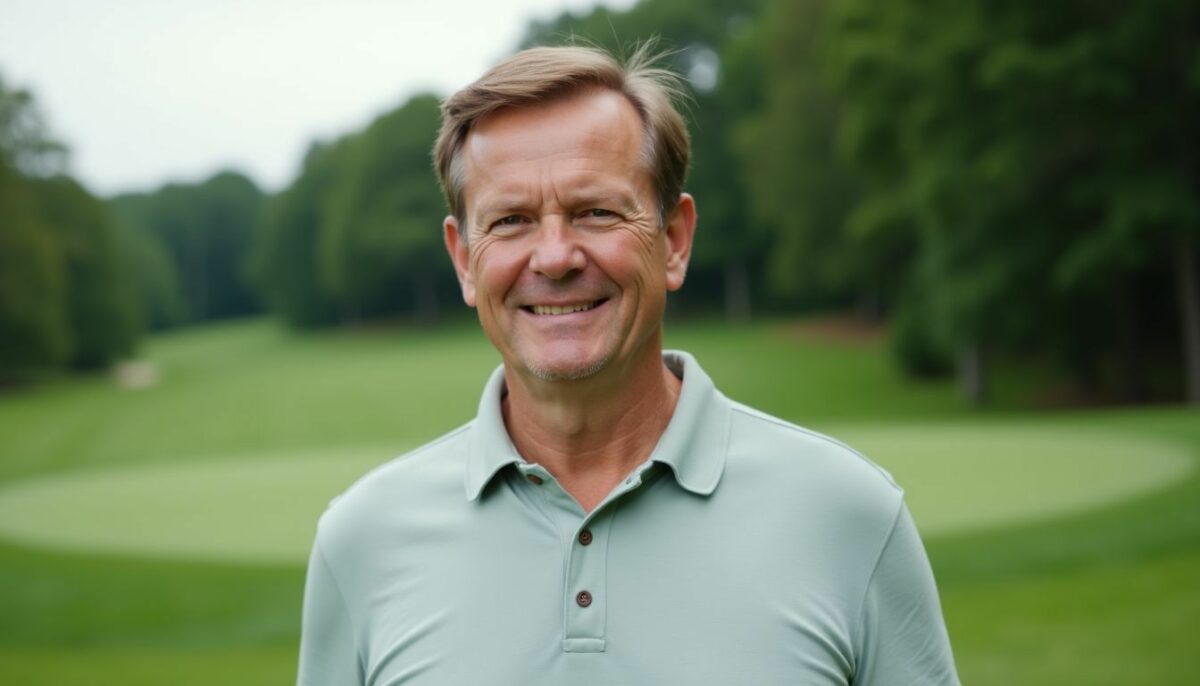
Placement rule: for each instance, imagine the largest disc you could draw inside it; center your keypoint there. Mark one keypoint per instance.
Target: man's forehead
(578, 140)
(569, 188)
(601, 118)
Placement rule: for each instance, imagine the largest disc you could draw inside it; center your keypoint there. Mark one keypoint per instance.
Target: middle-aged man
(608, 517)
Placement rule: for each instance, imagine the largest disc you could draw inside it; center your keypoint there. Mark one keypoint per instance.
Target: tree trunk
(1129, 343)
(197, 265)
(737, 291)
(973, 375)
(351, 309)
(1188, 283)
(870, 307)
(1188, 162)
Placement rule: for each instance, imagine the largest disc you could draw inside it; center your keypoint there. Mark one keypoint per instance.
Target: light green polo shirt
(745, 550)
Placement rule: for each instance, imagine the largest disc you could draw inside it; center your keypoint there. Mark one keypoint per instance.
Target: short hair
(539, 75)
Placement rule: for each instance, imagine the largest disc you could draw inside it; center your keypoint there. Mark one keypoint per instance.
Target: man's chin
(566, 371)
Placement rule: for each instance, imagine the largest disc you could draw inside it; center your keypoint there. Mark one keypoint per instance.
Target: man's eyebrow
(502, 203)
(505, 207)
(595, 194)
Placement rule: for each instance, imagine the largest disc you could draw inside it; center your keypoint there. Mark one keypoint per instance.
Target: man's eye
(510, 220)
(598, 215)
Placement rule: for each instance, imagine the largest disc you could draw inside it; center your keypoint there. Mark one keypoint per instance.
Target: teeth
(562, 309)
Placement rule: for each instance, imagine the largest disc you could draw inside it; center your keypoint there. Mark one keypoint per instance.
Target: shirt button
(534, 479)
(583, 598)
(585, 537)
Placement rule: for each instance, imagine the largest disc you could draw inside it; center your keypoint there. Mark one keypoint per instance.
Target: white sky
(149, 91)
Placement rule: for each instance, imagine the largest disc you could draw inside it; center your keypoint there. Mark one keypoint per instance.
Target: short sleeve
(903, 637)
(328, 656)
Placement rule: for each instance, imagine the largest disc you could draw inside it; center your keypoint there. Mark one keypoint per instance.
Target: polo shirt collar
(489, 449)
(693, 445)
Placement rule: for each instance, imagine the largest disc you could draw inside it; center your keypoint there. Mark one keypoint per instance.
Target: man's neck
(593, 432)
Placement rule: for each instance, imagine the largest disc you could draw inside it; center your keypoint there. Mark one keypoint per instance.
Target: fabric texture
(745, 550)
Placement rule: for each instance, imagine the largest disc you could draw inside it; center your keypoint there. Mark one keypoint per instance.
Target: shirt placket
(585, 560)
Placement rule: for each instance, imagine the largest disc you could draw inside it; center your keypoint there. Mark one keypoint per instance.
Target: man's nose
(556, 252)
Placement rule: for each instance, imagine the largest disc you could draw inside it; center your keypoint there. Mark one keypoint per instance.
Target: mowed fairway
(159, 536)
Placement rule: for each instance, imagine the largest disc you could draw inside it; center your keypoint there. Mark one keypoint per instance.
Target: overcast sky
(149, 91)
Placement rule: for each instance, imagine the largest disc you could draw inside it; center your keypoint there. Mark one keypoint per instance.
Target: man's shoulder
(793, 454)
(425, 477)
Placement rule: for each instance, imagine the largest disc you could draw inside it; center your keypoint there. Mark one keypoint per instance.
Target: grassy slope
(1100, 598)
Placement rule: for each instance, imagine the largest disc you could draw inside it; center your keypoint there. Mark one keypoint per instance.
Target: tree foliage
(381, 248)
(25, 140)
(1044, 154)
(357, 235)
(33, 322)
(205, 230)
(64, 298)
(155, 278)
(797, 183)
(283, 261)
(100, 308)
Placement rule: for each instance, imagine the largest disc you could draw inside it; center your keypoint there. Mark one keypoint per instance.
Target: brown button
(585, 537)
(534, 479)
(583, 598)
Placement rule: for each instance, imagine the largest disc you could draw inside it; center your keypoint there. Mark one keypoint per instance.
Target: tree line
(64, 296)
(83, 278)
(995, 181)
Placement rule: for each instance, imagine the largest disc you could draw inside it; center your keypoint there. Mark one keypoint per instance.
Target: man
(608, 517)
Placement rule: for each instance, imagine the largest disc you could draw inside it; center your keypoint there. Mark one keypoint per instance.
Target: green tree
(64, 298)
(284, 261)
(380, 249)
(155, 279)
(102, 312)
(356, 235)
(797, 183)
(33, 324)
(1044, 155)
(206, 231)
(25, 141)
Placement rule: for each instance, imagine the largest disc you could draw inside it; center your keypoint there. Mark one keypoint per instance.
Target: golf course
(158, 534)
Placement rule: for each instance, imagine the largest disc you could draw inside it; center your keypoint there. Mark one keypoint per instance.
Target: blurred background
(963, 236)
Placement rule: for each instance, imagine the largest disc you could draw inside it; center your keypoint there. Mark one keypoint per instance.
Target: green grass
(1103, 595)
(265, 665)
(1119, 624)
(961, 477)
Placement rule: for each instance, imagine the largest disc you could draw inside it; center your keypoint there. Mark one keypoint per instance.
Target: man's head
(562, 235)
(539, 75)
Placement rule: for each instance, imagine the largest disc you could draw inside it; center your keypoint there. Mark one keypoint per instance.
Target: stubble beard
(575, 374)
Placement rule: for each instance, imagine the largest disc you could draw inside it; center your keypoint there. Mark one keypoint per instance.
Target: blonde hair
(538, 75)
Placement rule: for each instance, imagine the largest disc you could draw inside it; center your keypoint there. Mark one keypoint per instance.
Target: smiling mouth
(563, 309)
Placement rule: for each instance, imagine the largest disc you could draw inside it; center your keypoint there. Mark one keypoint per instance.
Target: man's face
(562, 252)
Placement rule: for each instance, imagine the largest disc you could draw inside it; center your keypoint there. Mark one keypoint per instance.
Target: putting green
(247, 509)
(263, 509)
(958, 478)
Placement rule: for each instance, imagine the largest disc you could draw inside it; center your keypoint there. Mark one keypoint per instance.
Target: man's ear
(680, 229)
(460, 256)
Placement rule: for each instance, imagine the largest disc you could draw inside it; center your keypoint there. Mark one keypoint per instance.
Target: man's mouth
(563, 309)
